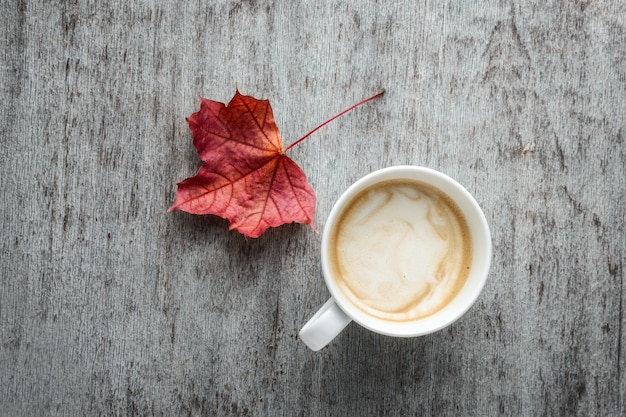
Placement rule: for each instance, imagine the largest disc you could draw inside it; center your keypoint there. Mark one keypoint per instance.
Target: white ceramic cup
(338, 312)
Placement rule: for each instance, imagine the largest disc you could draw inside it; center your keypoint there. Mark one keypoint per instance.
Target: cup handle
(324, 326)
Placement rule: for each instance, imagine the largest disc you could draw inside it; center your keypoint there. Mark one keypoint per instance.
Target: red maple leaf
(246, 177)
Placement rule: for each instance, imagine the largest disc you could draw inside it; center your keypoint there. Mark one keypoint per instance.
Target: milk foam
(402, 250)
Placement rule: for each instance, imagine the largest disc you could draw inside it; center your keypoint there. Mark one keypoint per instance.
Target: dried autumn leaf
(246, 178)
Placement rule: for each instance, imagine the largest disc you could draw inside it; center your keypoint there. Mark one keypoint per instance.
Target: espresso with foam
(401, 250)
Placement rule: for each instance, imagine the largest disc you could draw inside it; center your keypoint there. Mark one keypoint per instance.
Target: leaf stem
(375, 96)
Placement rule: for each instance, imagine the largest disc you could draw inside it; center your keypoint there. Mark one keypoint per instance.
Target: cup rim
(458, 306)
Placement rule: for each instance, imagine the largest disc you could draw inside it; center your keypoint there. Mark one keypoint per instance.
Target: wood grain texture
(111, 306)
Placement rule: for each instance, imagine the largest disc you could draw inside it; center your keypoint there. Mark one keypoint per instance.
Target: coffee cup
(405, 252)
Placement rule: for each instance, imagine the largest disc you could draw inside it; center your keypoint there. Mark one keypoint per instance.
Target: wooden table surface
(110, 305)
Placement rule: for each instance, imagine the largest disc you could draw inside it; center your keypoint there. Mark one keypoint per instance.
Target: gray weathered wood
(111, 306)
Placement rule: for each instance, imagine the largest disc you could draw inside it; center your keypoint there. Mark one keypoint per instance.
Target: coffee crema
(400, 250)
